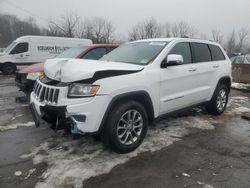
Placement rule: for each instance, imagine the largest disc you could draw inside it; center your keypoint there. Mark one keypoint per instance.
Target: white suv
(118, 96)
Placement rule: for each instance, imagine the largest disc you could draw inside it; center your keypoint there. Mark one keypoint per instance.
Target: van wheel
(218, 103)
(126, 127)
(8, 68)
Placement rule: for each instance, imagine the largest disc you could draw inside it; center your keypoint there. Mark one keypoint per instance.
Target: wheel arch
(141, 96)
(225, 80)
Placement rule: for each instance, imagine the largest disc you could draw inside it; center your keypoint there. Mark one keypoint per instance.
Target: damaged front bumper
(80, 115)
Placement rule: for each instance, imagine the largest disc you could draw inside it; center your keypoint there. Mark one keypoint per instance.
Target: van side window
(217, 54)
(20, 48)
(183, 49)
(95, 54)
(201, 52)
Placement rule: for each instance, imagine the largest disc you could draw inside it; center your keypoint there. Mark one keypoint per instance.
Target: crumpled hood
(70, 70)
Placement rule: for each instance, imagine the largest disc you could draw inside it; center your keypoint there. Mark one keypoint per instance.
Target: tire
(218, 103)
(132, 131)
(8, 68)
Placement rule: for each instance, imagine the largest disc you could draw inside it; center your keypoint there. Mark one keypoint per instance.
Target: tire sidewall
(13, 68)
(113, 123)
(217, 92)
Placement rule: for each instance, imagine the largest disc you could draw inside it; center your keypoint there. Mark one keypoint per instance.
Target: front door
(178, 82)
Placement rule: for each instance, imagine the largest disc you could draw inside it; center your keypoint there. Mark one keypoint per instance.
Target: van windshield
(72, 52)
(10, 47)
(141, 53)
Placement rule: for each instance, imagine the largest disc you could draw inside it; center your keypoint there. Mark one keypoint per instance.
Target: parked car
(26, 77)
(28, 50)
(118, 96)
(241, 68)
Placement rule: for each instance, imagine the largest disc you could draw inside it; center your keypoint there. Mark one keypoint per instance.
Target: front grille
(46, 94)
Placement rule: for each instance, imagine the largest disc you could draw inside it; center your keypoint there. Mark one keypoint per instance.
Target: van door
(20, 54)
(178, 85)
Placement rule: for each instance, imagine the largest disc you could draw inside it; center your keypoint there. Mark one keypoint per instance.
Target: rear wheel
(126, 127)
(8, 68)
(218, 103)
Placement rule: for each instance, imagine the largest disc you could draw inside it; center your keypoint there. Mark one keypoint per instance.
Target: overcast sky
(224, 15)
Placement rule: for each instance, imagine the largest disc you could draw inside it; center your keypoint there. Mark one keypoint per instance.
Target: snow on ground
(73, 161)
(236, 85)
(15, 126)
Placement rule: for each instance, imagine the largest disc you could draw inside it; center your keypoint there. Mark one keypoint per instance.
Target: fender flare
(141, 96)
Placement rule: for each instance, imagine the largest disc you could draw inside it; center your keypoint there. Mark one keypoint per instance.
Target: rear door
(205, 71)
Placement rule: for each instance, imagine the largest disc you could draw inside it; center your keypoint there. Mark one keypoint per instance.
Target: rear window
(72, 52)
(201, 52)
(95, 54)
(217, 54)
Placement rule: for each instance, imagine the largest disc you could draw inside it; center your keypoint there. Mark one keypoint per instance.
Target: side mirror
(172, 60)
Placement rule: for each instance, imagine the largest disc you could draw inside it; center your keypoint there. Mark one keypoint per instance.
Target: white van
(28, 50)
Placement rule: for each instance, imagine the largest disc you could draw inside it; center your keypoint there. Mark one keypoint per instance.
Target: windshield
(72, 52)
(10, 47)
(141, 53)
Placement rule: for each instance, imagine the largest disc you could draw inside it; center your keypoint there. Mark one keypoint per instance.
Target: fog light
(79, 118)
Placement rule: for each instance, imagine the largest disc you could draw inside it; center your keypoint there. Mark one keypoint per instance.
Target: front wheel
(218, 103)
(126, 127)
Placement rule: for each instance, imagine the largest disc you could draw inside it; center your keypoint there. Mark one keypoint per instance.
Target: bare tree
(203, 36)
(175, 30)
(231, 43)
(217, 36)
(12, 27)
(66, 25)
(98, 29)
(183, 29)
(242, 35)
(167, 30)
(85, 29)
(147, 29)
(103, 30)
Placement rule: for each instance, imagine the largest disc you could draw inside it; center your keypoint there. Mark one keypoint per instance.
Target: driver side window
(183, 49)
(20, 48)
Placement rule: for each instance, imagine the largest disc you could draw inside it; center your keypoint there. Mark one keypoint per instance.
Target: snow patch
(18, 173)
(73, 161)
(31, 171)
(17, 116)
(236, 85)
(185, 174)
(15, 126)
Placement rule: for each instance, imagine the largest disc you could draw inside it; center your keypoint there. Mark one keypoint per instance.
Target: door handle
(27, 55)
(216, 66)
(192, 69)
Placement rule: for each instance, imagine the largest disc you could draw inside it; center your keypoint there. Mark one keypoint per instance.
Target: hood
(33, 68)
(71, 70)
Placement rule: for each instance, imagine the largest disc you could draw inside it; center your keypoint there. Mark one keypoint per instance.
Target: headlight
(82, 90)
(35, 75)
